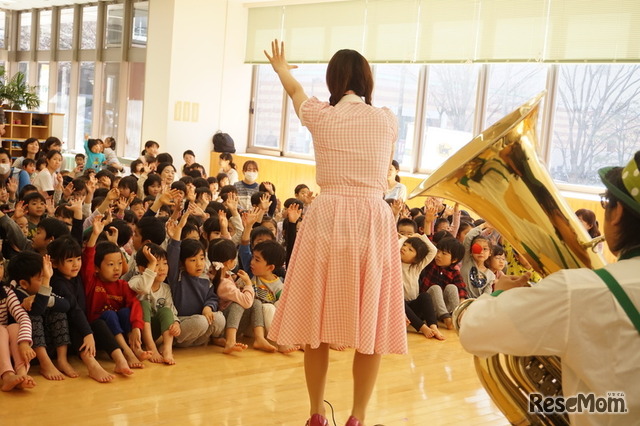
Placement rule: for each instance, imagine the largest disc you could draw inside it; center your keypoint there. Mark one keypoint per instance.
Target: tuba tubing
(498, 174)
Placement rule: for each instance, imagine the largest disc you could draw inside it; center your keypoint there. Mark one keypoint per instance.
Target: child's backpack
(222, 142)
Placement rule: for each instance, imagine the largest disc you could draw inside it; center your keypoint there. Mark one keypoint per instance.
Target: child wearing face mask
(248, 185)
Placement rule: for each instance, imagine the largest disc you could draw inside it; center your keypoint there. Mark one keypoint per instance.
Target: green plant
(16, 92)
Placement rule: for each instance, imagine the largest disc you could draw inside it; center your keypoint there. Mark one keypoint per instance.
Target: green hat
(631, 181)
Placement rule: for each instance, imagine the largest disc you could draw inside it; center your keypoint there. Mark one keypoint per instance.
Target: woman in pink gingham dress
(344, 283)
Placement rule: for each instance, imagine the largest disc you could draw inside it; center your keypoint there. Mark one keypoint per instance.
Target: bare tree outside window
(596, 120)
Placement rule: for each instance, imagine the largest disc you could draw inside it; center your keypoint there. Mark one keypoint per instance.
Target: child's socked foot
(231, 347)
(10, 380)
(264, 345)
(436, 332)
(50, 372)
(67, 369)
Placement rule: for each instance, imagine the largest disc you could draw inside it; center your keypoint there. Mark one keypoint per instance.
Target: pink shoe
(317, 420)
(353, 422)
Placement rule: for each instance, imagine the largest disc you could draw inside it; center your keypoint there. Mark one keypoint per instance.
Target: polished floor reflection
(435, 384)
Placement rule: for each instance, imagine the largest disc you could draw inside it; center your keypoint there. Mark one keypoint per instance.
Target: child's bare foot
(10, 380)
(99, 374)
(287, 349)
(122, 367)
(219, 341)
(426, 331)
(143, 355)
(67, 369)
(49, 371)
(230, 347)
(132, 360)
(27, 383)
(264, 345)
(167, 356)
(436, 332)
(338, 347)
(448, 322)
(156, 357)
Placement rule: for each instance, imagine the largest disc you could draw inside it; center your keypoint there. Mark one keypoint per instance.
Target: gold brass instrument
(499, 176)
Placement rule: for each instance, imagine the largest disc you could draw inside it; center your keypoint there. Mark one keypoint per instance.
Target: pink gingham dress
(344, 282)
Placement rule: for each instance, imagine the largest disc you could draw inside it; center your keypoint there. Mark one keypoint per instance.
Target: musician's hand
(507, 282)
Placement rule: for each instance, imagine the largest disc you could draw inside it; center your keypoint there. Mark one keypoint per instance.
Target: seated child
(476, 275)
(237, 301)
(110, 298)
(497, 261)
(66, 258)
(268, 256)
(443, 281)
(15, 341)
(194, 297)
(32, 273)
(79, 169)
(160, 315)
(29, 166)
(95, 158)
(416, 252)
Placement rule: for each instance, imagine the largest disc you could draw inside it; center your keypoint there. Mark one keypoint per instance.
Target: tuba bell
(499, 176)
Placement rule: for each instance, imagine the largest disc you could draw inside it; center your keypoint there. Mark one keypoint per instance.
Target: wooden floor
(435, 384)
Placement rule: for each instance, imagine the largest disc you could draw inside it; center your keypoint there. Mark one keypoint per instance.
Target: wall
(195, 60)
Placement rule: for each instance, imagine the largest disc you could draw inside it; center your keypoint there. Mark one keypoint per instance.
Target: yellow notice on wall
(195, 112)
(177, 111)
(186, 111)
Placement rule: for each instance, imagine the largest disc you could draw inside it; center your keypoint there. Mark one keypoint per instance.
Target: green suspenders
(621, 295)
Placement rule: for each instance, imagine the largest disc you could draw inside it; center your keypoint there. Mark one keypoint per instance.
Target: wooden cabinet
(21, 125)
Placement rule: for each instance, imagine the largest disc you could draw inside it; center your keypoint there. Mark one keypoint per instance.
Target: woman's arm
(283, 69)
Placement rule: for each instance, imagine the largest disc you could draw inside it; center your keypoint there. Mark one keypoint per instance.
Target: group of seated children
(131, 268)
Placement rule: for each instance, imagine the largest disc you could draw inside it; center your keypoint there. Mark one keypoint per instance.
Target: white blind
(451, 30)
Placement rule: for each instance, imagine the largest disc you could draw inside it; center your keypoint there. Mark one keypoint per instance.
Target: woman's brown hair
(349, 70)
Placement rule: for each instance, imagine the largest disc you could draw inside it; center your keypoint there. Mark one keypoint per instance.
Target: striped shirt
(11, 305)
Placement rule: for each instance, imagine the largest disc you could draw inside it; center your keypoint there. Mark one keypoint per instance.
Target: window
(23, 67)
(65, 38)
(3, 24)
(84, 111)
(449, 112)
(267, 109)
(511, 85)
(396, 87)
(109, 122)
(44, 30)
(139, 25)
(62, 96)
(43, 86)
(115, 17)
(596, 120)
(312, 78)
(135, 102)
(24, 26)
(89, 27)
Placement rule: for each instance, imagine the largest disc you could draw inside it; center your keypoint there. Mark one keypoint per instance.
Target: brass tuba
(498, 175)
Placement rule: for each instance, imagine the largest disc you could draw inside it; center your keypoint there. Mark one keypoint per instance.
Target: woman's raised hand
(277, 59)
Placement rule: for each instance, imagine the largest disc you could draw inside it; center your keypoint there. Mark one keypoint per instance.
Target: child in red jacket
(110, 298)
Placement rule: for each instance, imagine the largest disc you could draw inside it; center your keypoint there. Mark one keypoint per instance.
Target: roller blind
(452, 30)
